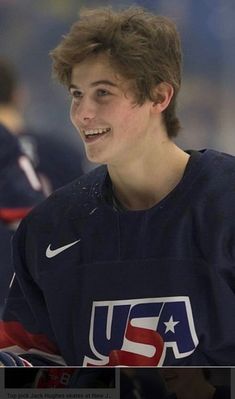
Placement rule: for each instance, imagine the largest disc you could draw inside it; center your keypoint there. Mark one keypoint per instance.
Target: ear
(163, 93)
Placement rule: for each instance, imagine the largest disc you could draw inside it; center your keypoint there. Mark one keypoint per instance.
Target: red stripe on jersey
(12, 333)
(10, 215)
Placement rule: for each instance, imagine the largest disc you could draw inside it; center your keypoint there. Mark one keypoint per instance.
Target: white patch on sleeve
(27, 168)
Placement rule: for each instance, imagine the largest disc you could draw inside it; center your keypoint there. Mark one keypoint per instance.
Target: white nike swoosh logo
(50, 253)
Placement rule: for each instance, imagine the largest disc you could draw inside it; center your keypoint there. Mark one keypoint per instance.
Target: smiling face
(113, 129)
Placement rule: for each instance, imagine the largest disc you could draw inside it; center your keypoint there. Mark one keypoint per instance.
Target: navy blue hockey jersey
(96, 286)
(20, 187)
(20, 190)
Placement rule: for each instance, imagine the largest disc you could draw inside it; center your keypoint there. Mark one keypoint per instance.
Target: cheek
(72, 113)
(127, 118)
(133, 123)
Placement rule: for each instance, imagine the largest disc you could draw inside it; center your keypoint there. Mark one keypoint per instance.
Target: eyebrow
(96, 83)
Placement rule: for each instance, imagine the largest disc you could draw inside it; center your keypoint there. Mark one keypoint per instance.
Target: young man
(132, 264)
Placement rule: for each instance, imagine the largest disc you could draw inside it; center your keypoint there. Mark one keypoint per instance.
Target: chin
(95, 158)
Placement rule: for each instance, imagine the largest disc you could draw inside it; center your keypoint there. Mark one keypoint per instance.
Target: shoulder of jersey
(213, 188)
(222, 171)
(78, 194)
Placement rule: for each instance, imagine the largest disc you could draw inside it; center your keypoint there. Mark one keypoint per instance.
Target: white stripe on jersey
(27, 168)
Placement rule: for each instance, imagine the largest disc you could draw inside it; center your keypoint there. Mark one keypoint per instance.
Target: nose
(84, 111)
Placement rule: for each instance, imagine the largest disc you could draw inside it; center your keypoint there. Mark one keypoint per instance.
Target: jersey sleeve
(20, 189)
(25, 328)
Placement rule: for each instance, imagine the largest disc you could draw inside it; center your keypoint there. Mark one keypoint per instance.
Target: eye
(76, 94)
(102, 92)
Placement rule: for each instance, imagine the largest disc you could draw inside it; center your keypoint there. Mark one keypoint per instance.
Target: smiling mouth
(92, 134)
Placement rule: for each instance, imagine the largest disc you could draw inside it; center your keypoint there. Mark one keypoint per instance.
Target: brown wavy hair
(142, 47)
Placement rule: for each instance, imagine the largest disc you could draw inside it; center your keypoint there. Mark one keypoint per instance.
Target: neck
(12, 119)
(141, 184)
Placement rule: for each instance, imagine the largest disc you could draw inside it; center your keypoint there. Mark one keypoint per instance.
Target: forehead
(95, 68)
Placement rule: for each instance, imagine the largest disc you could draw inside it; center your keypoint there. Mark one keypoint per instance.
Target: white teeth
(93, 132)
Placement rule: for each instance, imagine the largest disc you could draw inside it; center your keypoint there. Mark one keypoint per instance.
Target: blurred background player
(20, 190)
(56, 161)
